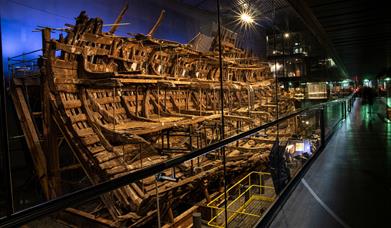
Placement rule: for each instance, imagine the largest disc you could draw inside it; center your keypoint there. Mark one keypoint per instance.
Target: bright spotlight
(246, 18)
(286, 35)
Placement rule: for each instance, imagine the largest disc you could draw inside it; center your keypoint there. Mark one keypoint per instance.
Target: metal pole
(322, 127)
(197, 220)
(4, 138)
(345, 109)
(275, 69)
(157, 204)
(222, 110)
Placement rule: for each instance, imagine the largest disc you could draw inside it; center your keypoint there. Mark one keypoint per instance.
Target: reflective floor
(349, 185)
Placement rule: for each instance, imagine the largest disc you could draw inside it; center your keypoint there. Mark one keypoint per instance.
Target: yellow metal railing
(248, 182)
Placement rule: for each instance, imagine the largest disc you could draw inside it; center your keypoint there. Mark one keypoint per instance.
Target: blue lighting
(21, 17)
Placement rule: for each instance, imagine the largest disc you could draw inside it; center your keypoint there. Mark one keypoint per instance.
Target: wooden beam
(32, 138)
(53, 159)
(184, 219)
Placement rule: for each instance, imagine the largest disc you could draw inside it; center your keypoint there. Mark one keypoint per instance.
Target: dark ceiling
(357, 33)
(360, 32)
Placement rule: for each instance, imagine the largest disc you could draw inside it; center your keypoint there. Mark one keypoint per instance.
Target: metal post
(197, 220)
(345, 109)
(4, 138)
(262, 183)
(275, 71)
(222, 110)
(157, 204)
(322, 127)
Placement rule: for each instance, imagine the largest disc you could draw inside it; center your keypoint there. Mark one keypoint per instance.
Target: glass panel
(119, 89)
(101, 97)
(333, 115)
(258, 168)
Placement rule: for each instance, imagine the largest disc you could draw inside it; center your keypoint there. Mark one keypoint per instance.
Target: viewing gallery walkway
(349, 185)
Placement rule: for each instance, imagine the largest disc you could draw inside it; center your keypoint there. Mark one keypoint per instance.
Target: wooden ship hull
(125, 103)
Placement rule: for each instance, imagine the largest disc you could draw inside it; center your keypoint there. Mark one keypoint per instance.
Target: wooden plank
(97, 149)
(84, 132)
(69, 88)
(53, 159)
(32, 139)
(103, 222)
(78, 118)
(97, 39)
(72, 104)
(108, 100)
(89, 140)
(183, 220)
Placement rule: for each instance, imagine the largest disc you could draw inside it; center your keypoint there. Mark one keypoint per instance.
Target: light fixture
(286, 35)
(331, 62)
(246, 18)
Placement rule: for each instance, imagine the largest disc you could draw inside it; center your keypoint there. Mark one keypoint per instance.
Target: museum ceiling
(360, 32)
(356, 32)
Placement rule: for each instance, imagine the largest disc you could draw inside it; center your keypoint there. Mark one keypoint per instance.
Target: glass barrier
(183, 105)
(334, 113)
(228, 187)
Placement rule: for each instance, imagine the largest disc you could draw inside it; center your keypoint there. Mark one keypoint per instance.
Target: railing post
(197, 220)
(322, 127)
(344, 109)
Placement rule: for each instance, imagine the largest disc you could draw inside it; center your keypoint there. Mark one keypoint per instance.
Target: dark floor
(350, 181)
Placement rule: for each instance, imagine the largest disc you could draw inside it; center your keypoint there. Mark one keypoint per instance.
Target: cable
(41, 10)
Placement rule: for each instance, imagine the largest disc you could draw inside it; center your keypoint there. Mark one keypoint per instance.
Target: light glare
(246, 18)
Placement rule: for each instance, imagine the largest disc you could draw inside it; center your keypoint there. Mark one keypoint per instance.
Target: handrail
(17, 61)
(77, 197)
(24, 54)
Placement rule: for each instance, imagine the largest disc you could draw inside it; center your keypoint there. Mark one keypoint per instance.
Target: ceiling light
(286, 35)
(246, 18)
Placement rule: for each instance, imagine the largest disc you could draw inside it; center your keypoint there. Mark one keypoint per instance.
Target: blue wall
(21, 17)
(181, 23)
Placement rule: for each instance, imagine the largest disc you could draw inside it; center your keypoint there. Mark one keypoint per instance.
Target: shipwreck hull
(127, 103)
